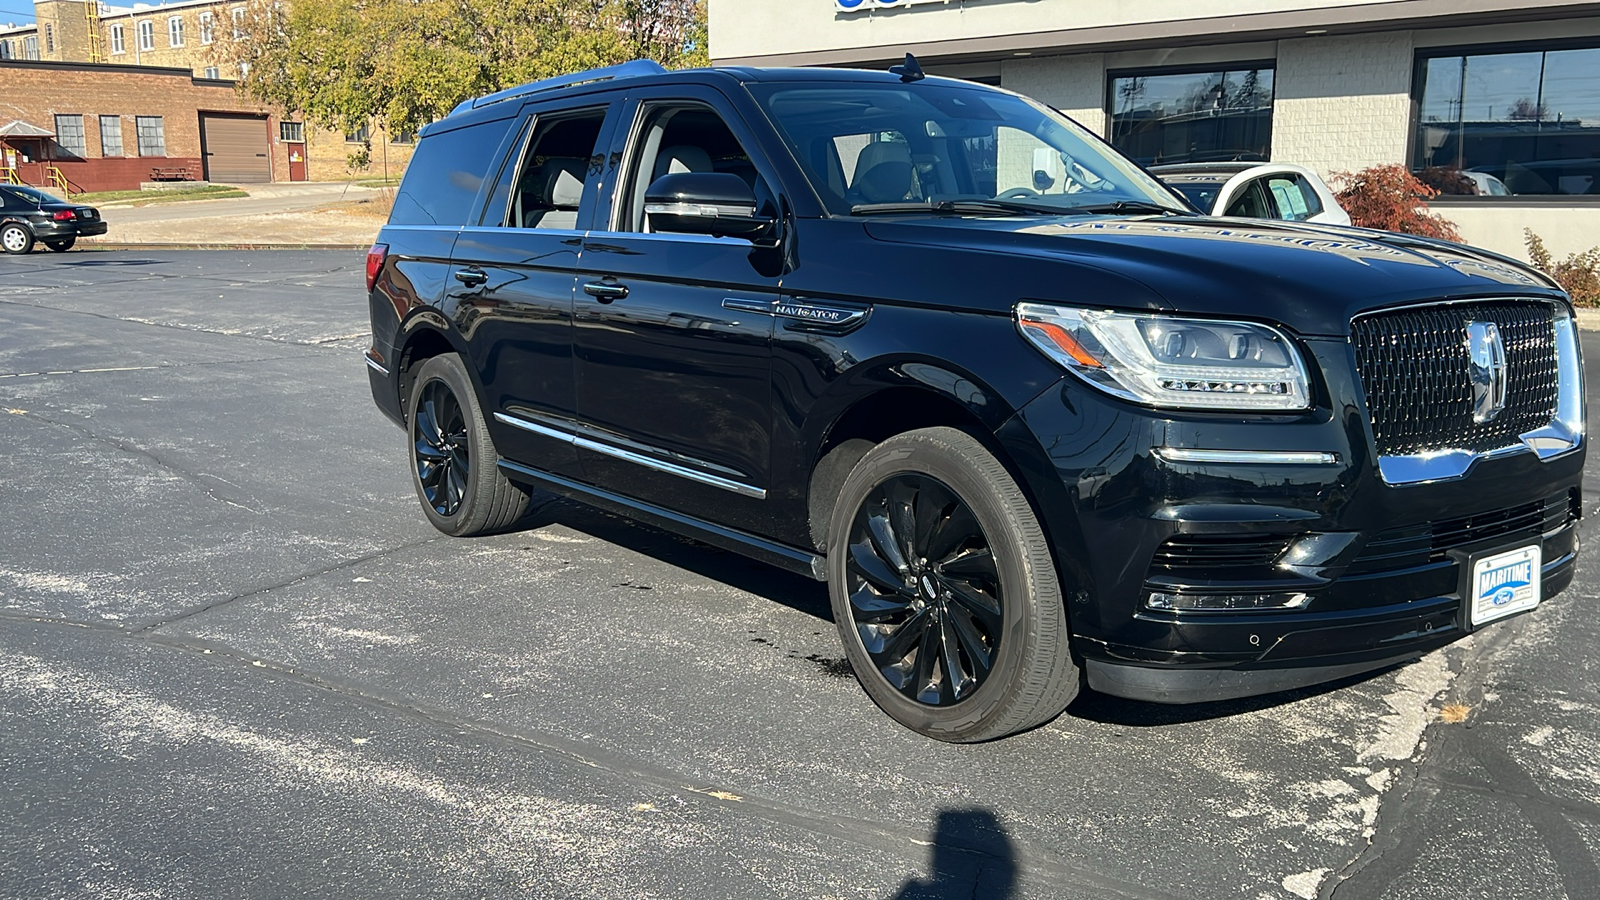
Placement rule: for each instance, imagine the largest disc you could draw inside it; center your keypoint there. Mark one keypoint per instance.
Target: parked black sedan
(29, 215)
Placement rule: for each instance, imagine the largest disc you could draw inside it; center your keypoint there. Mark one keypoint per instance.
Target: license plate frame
(1500, 584)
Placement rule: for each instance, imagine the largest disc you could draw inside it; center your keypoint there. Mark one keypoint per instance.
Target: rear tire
(15, 238)
(454, 467)
(945, 592)
(61, 246)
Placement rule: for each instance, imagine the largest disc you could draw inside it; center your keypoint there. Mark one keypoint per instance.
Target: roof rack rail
(625, 70)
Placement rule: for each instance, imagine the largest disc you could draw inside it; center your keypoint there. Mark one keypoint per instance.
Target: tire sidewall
(447, 369)
(27, 243)
(925, 454)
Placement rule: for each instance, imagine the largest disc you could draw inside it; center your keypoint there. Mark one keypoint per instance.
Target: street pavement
(236, 661)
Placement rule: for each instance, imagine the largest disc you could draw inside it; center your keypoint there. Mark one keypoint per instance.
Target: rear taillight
(64, 215)
(375, 258)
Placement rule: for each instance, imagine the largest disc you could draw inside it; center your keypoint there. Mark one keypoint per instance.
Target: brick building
(196, 35)
(1506, 92)
(110, 127)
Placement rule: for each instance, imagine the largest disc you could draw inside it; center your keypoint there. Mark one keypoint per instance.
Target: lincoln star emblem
(1488, 355)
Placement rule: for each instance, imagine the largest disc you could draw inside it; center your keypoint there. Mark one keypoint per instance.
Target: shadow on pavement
(972, 857)
(794, 591)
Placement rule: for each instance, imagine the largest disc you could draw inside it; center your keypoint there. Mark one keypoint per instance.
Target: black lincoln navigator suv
(1035, 421)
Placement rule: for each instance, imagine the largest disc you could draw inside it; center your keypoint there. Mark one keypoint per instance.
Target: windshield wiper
(957, 207)
(1133, 206)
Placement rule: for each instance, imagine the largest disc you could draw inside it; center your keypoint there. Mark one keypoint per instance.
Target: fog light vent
(1226, 602)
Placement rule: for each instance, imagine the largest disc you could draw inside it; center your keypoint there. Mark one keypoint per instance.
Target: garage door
(236, 149)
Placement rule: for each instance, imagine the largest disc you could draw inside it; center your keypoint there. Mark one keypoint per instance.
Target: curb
(241, 245)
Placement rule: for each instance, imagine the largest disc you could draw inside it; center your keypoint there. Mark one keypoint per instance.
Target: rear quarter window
(441, 183)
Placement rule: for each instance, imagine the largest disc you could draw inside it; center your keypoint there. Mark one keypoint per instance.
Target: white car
(1255, 191)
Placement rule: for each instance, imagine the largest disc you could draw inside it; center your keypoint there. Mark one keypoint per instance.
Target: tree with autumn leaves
(404, 63)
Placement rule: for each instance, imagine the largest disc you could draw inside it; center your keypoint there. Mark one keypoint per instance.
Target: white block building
(1495, 101)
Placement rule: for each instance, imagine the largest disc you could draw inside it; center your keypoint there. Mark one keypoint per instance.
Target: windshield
(1202, 192)
(866, 145)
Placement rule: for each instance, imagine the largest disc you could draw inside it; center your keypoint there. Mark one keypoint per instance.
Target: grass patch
(173, 195)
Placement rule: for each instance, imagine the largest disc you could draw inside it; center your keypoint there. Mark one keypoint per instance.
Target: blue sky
(18, 11)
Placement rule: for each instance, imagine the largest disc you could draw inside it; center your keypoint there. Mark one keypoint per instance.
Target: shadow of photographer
(972, 857)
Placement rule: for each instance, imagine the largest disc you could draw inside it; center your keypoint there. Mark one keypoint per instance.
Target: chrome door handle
(471, 277)
(606, 291)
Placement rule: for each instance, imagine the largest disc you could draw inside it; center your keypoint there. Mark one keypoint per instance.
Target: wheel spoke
(867, 607)
(427, 452)
(931, 503)
(982, 607)
(886, 542)
(924, 681)
(973, 561)
(901, 495)
(973, 644)
(428, 472)
(953, 533)
(868, 565)
(957, 683)
(428, 423)
(902, 640)
(457, 489)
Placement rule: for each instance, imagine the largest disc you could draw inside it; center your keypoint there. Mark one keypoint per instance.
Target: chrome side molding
(659, 465)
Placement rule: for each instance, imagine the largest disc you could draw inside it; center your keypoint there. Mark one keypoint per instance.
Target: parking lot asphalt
(235, 660)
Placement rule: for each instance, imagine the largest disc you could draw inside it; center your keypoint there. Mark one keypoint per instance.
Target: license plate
(1504, 584)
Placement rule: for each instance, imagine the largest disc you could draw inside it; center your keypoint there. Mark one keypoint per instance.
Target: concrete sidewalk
(274, 215)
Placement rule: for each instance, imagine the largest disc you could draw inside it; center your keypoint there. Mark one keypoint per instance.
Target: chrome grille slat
(1416, 370)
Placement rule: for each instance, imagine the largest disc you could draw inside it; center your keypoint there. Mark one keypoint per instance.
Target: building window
(1526, 122)
(49, 38)
(292, 132)
(30, 47)
(117, 43)
(213, 72)
(238, 23)
(147, 35)
(359, 136)
(1213, 115)
(5, 49)
(208, 28)
(110, 135)
(404, 137)
(175, 31)
(152, 135)
(69, 135)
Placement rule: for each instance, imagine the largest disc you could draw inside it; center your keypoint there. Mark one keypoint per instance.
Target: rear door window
(1293, 197)
(448, 169)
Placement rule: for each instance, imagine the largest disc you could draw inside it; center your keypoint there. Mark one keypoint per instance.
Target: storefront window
(1509, 123)
(1211, 116)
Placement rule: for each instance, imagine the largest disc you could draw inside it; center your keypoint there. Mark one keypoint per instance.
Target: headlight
(1171, 361)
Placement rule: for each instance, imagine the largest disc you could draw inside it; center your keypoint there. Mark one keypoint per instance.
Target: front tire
(62, 245)
(454, 467)
(945, 592)
(15, 238)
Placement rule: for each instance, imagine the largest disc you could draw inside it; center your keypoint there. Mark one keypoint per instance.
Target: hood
(1311, 278)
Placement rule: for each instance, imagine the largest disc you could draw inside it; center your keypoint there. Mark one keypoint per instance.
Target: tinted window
(1518, 123)
(555, 169)
(1202, 192)
(1250, 203)
(1214, 116)
(444, 176)
(683, 138)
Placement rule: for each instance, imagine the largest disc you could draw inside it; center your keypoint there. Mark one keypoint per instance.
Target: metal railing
(8, 175)
(58, 180)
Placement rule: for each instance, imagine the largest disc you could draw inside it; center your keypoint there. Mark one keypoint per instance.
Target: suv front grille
(1194, 553)
(1415, 368)
(1418, 545)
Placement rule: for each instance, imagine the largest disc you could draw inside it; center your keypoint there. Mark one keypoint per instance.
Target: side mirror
(714, 203)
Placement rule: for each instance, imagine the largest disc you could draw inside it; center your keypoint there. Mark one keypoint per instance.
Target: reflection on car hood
(1312, 278)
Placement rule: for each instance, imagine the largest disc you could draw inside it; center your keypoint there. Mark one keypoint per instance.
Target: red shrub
(1391, 198)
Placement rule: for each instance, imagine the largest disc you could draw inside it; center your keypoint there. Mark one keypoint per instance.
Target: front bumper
(1381, 565)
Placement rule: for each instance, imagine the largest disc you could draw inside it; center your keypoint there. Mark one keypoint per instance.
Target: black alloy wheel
(454, 466)
(925, 594)
(944, 589)
(441, 449)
